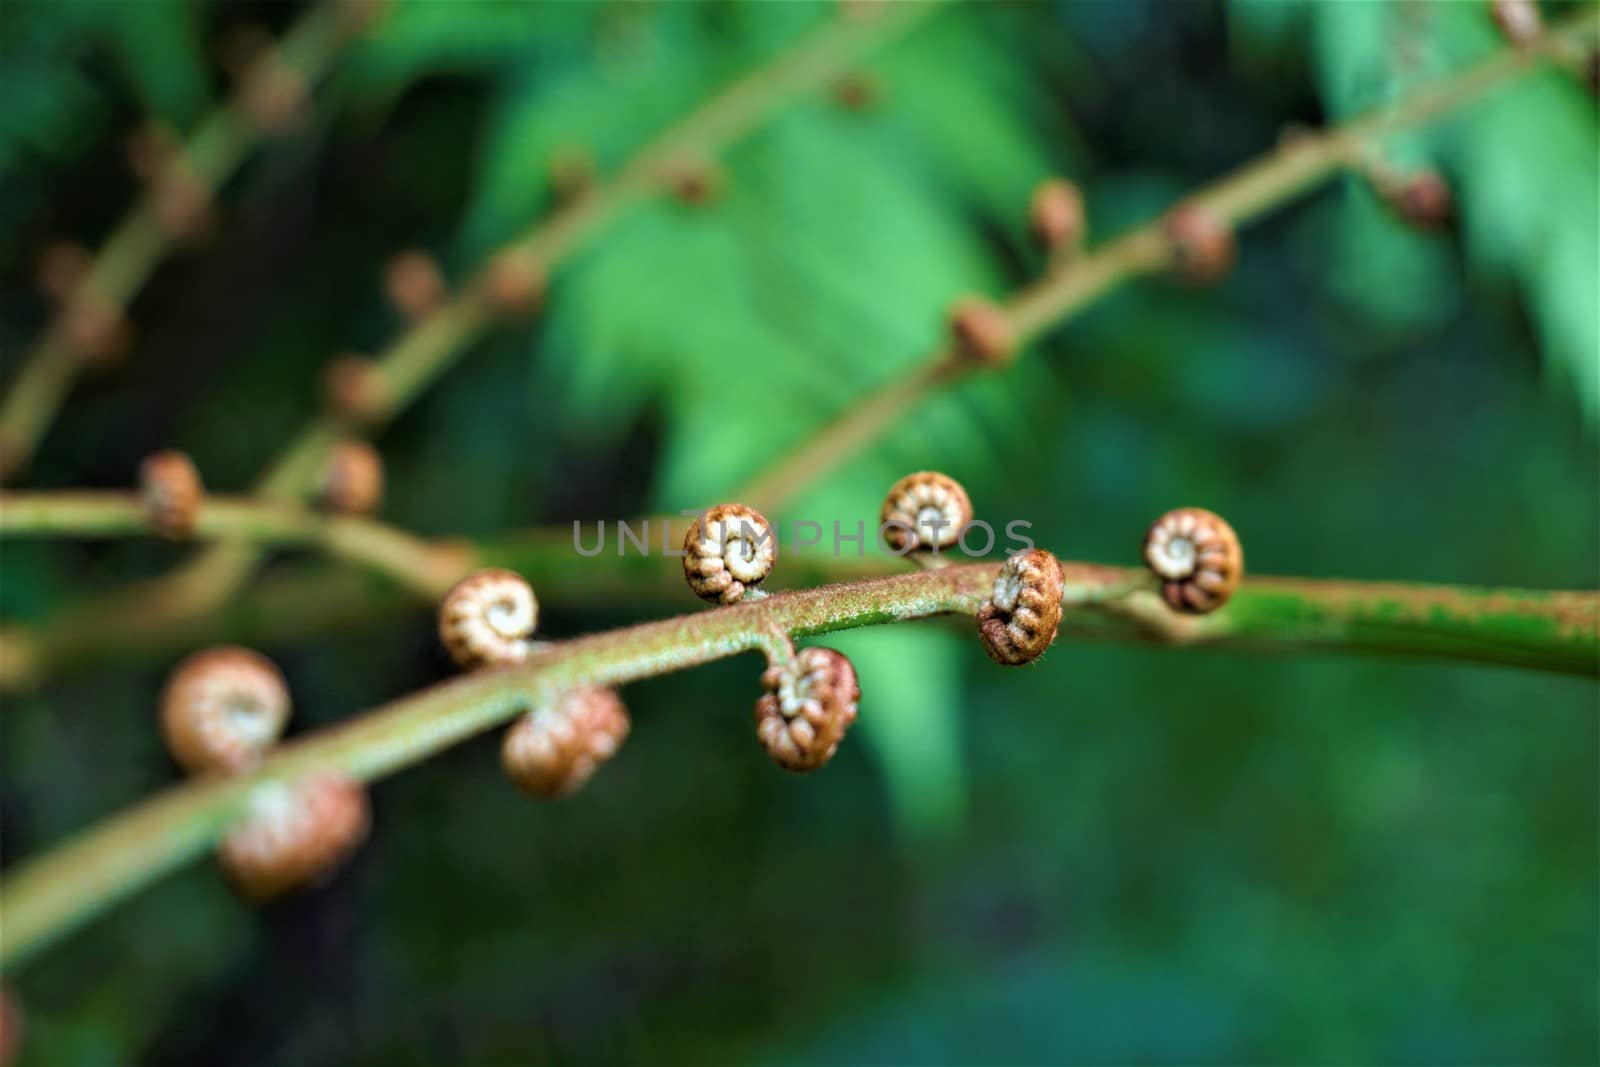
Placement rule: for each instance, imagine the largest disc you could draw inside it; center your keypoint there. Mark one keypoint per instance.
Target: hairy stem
(1238, 198)
(1333, 615)
(55, 893)
(140, 242)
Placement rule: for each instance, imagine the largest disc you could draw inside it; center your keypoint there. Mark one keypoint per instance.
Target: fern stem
(140, 242)
(1242, 197)
(53, 894)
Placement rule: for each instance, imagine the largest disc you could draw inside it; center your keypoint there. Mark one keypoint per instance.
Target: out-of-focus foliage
(1525, 167)
(1120, 854)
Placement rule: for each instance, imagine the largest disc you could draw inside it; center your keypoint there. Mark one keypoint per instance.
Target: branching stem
(53, 894)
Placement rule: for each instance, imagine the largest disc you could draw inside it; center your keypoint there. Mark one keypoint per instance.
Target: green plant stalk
(139, 243)
(425, 568)
(419, 356)
(1281, 613)
(55, 893)
(1238, 198)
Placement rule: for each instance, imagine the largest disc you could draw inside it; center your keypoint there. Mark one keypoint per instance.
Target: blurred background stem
(142, 240)
(427, 349)
(1254, 190)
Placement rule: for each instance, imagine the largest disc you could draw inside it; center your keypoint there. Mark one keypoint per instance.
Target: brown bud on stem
(181, 202)
(1422, 199)
(222, 708)
(515, 284)
(981, 333)
(1056, 216)
(62, 267)
(353, 481)
(924, 511)
(1198, 558)
(95, 326)
(572, 172)
(414, 284)
(487, 619)
(856, 92)
(1201, 243)
(172, 493)
(10, 1028)
(552, 751)
(693, 180)
(295, 835)
(727, 553)
(1020, 618)
(151, 147)
(356, 388)
(274, 95)
(809, 704)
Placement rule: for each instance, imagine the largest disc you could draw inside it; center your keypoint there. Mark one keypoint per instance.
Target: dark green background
(1119, 855)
